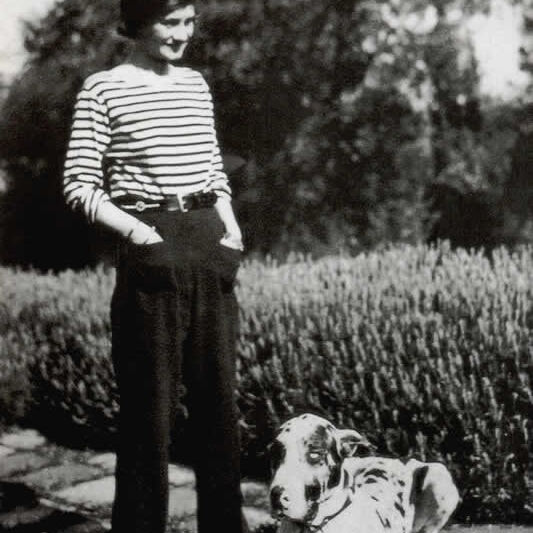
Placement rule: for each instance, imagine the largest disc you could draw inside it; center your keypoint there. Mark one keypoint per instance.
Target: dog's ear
(350, 443)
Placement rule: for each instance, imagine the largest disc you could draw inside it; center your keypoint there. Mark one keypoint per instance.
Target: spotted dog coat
(320, 486)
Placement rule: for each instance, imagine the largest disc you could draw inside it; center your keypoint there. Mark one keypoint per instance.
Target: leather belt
(177, 202)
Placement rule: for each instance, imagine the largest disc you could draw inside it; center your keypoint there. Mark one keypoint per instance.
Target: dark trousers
(174, 320)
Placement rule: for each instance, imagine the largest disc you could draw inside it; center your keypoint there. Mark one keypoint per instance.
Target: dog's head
(306, 458)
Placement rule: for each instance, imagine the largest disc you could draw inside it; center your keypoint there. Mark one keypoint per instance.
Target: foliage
(518, 190)
(424, 349)
(360, 123)
(36, 227)
(54, 339)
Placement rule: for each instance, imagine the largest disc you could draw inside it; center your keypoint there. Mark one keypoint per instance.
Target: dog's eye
(315, 457)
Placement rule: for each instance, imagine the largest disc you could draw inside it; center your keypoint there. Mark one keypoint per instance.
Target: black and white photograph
(266, 266)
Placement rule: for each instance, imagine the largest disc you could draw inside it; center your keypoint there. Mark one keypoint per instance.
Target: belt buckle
(181, 202)
(140, 206)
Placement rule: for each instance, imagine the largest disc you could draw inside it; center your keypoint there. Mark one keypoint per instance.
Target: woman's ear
(350, 443)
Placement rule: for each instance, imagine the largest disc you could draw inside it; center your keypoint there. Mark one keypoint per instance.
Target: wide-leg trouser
(174, 320)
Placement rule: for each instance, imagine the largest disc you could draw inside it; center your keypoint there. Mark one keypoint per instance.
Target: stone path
(47, 488)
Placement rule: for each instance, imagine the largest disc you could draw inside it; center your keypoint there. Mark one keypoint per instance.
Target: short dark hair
(135, 14)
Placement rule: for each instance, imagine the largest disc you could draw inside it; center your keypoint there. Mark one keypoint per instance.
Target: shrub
(55, 339)
(424, 349)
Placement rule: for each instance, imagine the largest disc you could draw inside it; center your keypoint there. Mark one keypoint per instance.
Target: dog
(320, 485)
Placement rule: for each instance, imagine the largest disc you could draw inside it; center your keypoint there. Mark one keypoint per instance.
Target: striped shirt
(138, 136)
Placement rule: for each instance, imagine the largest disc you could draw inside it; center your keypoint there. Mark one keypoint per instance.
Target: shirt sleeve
(218, 179)
(83, 176)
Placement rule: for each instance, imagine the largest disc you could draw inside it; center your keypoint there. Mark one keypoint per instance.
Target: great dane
(319, 485)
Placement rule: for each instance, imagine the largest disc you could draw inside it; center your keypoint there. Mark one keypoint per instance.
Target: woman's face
(166, 38)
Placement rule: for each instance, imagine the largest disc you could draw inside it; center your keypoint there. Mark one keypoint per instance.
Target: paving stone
(21, 462)
(90, 494)
(257, 517)
(255, 494)
(182, 508)
(103, 513)
(106, 523)
(182, 501)
(59, 476)
(22, 518)
(87, 527)
(106, 461)
(47, 519)
(5, 451)
(179, 475)
(185, 524)
(26, 439)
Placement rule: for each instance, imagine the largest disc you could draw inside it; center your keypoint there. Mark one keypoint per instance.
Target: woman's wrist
(132, 230)
(233, 231)
(141, 233)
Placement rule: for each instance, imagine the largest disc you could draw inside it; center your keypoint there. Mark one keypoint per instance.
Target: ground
(52, 489)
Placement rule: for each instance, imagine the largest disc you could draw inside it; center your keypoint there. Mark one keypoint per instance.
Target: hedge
(425, 349)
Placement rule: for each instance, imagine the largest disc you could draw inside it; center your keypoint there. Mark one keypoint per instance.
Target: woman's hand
(232, 241)
(233, 235)
(141, 233)
(130, 228)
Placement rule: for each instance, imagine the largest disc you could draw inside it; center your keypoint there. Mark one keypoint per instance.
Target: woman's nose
(181, 32)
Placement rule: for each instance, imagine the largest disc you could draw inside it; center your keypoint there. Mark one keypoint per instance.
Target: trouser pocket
(151, 266)
(229, 260)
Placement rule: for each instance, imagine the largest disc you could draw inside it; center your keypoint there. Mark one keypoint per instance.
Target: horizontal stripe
(185, 135)
(81, 172)
(166, 172)
(157, 162)
(140, 107)
(154, 137)
(83, 162)
(165, 122)
(160, 192)
(158, 153)
(97, 148)
(103, 88)
(124, 99)
(88, 104)
(135, 145)
(153, 187)
(88, 134)
(167, 112)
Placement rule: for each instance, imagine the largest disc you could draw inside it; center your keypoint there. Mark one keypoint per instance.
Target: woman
(143, 160)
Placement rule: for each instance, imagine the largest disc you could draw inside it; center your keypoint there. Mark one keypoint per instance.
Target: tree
(328, 102)
(37, 229)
